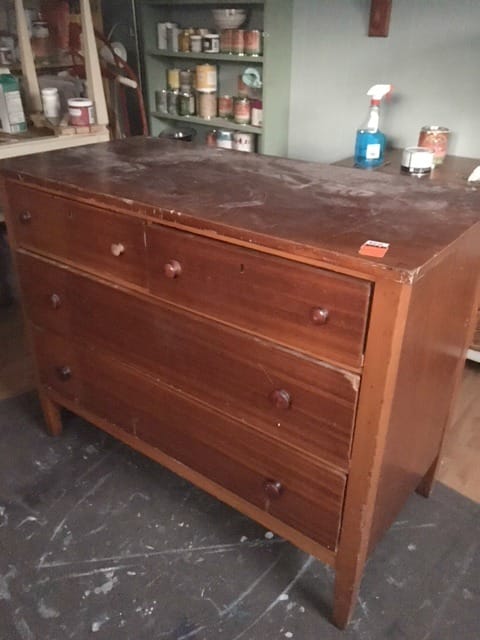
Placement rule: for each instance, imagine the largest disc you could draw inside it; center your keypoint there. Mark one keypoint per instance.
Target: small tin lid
(49, 91)
(434, 128)
(80, 102)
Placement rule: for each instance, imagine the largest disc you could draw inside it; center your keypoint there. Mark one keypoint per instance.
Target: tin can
(211, 43)
(80, 112)
(211, 138)
(435, 138)
(225, 106)
(243, 141)
(162, 34)
(241, 110)
(186, 104)
(172, 102)
(224, 139)
(256, 114)
(238, 42)
(173, 79)
(206, 77)
(195, 43)
(161, 104)
(226, 41)
(417, 160)
(172, 38)
(207, 104)
(186, 80)
(253, 42)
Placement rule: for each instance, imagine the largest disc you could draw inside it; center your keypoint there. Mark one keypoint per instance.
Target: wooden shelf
(222, 57)
(217, 123)
(21, 146)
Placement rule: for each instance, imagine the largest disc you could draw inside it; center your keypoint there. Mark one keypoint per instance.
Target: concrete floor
(98, 541)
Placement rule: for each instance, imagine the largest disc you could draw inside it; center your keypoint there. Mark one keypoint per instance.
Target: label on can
(206, 75)
(243, 141)
(436, 139)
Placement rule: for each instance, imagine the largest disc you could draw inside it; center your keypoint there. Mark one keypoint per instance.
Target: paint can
(173, 79)
(186, 104)
(206, 77)
(162, 34)
(226, 41)
(172, 102)
(207, 104)
(211, 138)
(211, 43)
(417, 160)
(161, 103)
(253, 42)
(243, 141)
(224, 139)
(195, 43)
(435, 138)
(256, 113)
(238, 42)
(80, 112)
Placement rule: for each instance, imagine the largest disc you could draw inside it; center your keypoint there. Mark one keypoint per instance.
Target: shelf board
(236, 3)
(222, 57)
(218, 123)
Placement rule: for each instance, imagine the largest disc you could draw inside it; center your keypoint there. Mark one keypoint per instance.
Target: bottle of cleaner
(12, 116)
(370, 141)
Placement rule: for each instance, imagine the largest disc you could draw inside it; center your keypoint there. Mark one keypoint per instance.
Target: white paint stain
(4, 587)
(396, 583)
(412, 547)
(98, 623)
(3, 517)
(269, 535)
(23, 629)
(47, 612)
(243, 539)
(282, 597)
(106, 587)
(288, 634)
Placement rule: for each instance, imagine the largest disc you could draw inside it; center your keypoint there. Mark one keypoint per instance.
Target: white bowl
(228, 18)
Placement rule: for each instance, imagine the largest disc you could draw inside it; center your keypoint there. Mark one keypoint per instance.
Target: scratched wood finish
(217, 365)
(240, 459)
(265, 295)
(79, 234)
(310, 219)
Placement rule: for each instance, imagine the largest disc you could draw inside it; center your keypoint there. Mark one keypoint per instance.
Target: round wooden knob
(281, 399)
(172, 269)
(117, 249)
(319, 315)
(64, 373)
(273, 489)
(25, 217)
(55, 301)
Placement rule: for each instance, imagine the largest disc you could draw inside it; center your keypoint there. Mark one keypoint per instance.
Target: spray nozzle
(378, 92)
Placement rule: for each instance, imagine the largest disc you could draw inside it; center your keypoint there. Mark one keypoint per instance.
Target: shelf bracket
(379, 24)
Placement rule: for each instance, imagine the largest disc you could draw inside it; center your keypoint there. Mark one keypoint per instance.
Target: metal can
(417, 160)
(207, 104)
(226, 40)
(211, 43)
(435, 138)
(172, 38)
(172, 102)
(225, 106)
(206, 77)
(161, 104)
(186, 80)
(184, 40)
(241, 110)
(162, 34)
(256, 113)
(173, 79)
(253, 42)
(224, 139)
(238, 42)
(243, 141)
(211, 138)
(186, 104)
(195, 43)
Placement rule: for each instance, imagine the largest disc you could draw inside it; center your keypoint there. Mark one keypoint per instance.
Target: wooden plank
(34, 100)
(379, 24)
(95, 89)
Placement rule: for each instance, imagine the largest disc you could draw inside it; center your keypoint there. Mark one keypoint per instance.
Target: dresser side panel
(438, 330)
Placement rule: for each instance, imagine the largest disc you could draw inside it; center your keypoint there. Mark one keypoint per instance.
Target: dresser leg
(426, 484)
(51, 413)
(346, 594)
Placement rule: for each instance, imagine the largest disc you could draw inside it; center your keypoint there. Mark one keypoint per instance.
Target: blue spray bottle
(370, 141)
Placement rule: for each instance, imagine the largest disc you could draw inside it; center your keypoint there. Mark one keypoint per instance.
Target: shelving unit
(273, 17)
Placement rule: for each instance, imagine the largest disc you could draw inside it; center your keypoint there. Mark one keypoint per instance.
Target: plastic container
(80, 112)
(51, 104)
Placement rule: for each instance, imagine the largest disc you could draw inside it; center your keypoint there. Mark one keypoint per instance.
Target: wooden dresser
(212, 310)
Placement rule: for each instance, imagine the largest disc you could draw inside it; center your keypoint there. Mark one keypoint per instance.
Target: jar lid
(80, 102)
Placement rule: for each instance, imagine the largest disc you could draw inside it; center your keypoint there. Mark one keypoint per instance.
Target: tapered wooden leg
(51, 413)
(347, 585)
(426, 485)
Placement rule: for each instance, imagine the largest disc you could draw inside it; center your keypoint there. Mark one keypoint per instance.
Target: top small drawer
(105, 243)
(310, 309)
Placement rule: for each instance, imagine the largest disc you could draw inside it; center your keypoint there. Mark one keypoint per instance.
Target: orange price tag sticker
(374, 249)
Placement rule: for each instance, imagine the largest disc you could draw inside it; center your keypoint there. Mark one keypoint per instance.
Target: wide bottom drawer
(290, 486)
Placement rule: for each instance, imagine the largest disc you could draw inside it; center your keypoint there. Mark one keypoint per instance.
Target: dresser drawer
(320, 313)
(290, 486)
(287, 395)
(107, 243)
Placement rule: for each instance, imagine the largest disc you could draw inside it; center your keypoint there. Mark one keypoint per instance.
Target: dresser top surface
(310, 210)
